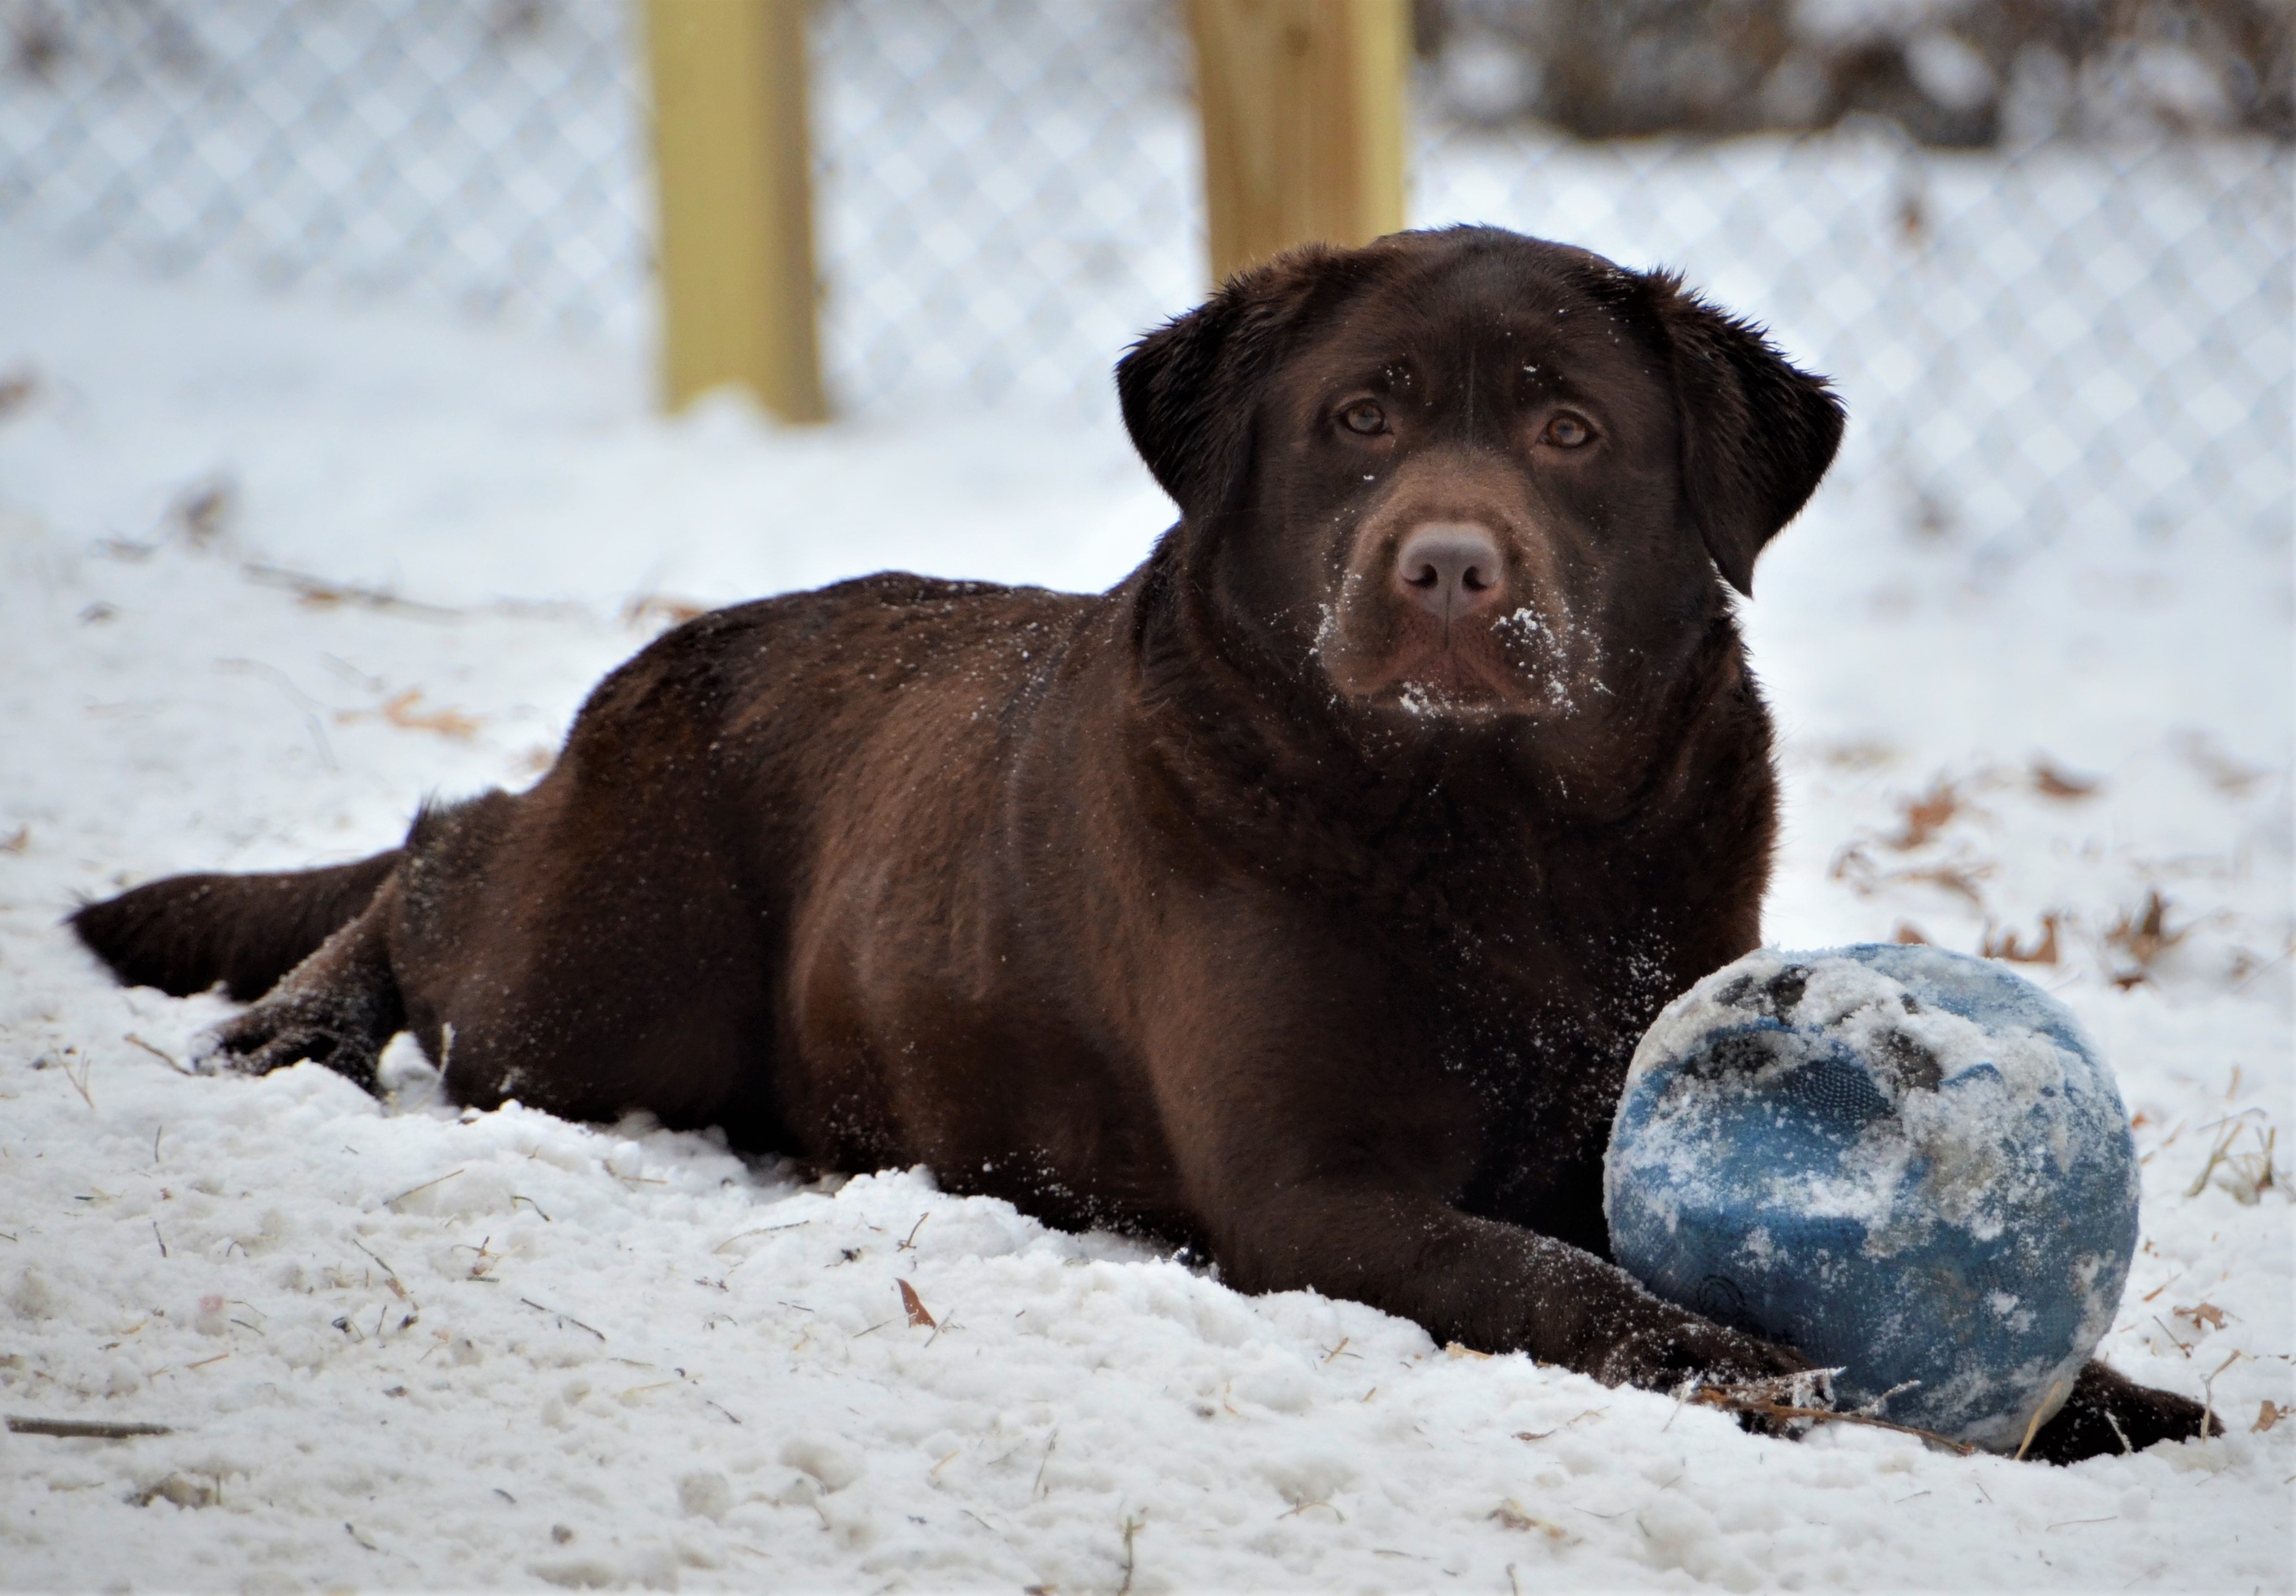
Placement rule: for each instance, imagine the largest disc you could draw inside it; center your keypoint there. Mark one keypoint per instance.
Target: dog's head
(1466, 477)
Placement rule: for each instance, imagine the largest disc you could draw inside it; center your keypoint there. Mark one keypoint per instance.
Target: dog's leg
(1317, 1136)
(2109, 1413)
(338, 1007)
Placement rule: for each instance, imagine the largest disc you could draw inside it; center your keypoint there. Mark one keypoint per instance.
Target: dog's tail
(185, 934)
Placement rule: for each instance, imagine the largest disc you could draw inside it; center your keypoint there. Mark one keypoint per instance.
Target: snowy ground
(269, 573)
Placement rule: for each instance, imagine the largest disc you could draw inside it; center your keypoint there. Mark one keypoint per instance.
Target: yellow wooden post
(1302, 105)
(731, 169)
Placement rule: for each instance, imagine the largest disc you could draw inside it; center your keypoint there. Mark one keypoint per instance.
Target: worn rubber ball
(1907, 1164)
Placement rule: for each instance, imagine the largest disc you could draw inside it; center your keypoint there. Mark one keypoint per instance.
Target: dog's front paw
(1664, 1357)
(2109, 1413)
(272, 1036)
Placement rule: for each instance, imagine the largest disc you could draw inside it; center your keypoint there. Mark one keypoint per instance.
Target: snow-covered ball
(1905, 1163)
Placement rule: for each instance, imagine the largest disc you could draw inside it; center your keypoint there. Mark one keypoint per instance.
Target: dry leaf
(2009, 946)
(2200, 1313)
(917, 1314)
(1926, 816)
(2270, 1414)
(661, 607)
(400, 710)
(2144, 935)
(2227, 774)
(2051, 781)
(1511, 1515)
(18, 389)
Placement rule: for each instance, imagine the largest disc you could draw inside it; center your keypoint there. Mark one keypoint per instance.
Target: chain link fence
(2070, 335)
(483, 154)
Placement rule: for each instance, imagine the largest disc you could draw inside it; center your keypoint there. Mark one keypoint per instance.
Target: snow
(271, 571)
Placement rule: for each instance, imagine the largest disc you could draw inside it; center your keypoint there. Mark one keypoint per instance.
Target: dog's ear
(1188, 388)
(1757, 431)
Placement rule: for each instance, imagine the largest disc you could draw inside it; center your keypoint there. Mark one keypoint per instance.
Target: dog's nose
(1450, 568)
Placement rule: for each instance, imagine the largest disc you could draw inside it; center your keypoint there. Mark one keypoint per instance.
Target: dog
(1299, 900)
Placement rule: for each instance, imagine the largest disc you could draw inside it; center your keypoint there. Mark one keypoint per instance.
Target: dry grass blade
(563, 1318)
(77, 1078)
(1760, 1399)
(2033, 1425)
(323, 594)
(392, 1202)
(2252, 1172)
(159, 1054)
(1133, 1524)
(2209, 1424)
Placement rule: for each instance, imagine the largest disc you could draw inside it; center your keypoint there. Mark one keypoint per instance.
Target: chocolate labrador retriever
(1300, 899)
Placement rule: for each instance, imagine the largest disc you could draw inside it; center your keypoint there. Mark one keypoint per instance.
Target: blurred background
(2043, 244)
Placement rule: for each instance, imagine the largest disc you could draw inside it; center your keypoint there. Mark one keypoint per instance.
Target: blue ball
(1905, 1163)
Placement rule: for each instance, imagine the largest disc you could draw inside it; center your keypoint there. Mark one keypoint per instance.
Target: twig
(159, 1054)
(1732, 1402)
(564, 1318)
(2208, 1392)
(1132, 1526)
(1036, 1489)
(95, 1429)
(761, 1230)
(392, 1202)
(516, 1198)
(161, 1240)
(311, 590)
(392, 1275)
(79, 1081)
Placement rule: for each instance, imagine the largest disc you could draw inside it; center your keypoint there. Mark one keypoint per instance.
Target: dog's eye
(1567, 431)
(1364, 417)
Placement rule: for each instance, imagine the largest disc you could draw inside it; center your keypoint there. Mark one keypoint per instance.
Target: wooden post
(731, 169)
(1302, 105)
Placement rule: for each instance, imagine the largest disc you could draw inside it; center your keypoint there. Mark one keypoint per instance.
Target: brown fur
(1300, 899)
